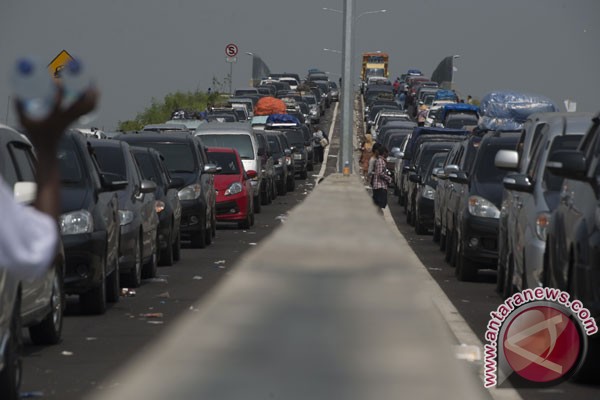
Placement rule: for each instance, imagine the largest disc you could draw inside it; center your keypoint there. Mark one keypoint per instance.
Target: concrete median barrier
(328, 307)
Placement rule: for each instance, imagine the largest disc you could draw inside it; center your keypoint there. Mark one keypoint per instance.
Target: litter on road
(67, 353)
(152, 315)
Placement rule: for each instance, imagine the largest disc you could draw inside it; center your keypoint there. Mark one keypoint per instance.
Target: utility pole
(346, 142)
(7, 110)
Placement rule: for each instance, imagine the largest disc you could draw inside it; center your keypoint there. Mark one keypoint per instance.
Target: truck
(374, 64)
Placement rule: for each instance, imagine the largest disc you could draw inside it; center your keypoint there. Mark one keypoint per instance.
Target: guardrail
(328, 307)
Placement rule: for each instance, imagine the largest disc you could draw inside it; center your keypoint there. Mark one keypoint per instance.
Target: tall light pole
(346, 142)
(454, 69)
(251, 72)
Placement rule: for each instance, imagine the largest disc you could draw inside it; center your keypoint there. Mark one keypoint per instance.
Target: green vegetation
(160, 111)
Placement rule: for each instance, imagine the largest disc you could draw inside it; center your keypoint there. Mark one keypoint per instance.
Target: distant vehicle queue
(129, 199)
(510, 184)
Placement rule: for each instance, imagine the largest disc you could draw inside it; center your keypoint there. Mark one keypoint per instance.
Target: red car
(233, 187)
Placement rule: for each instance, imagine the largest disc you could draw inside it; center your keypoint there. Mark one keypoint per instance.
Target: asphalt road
(475, 301)
(94, 346)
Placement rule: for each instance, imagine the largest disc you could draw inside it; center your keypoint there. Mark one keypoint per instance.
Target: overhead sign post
(58, 63)
(231, 51)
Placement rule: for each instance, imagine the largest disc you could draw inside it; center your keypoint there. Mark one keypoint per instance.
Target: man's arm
(45, 135)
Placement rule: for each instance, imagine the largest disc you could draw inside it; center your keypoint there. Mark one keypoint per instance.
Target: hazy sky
(140, 49)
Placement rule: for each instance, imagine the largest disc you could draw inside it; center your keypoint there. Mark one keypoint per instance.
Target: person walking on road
(321, 141)
(380, 179)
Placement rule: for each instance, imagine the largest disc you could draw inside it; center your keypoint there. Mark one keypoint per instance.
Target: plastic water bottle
(34, 88)
(75, 82)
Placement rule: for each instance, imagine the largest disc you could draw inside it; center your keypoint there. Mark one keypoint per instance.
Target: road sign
(231, 59)
(231, 50)
(59, 63)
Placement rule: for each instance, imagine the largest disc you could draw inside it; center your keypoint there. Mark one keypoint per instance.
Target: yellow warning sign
(59, 63)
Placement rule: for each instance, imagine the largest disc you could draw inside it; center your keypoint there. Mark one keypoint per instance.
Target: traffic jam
(506, 187)
(130, 201)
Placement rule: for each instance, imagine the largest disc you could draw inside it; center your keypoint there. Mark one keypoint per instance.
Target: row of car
(129, 199)
(521, 198)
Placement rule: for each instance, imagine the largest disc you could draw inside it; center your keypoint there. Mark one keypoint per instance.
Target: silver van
(237, 135)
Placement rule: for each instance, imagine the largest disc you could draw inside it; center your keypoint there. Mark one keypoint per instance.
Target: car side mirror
(112, 182)
(176, 183)
(147, 187)
(518, 182)
(210, 169)
(507, 160)
(395, 151)
(414, 178)
(567, 164)
(251, 174)
(458, 177)
(451, 168)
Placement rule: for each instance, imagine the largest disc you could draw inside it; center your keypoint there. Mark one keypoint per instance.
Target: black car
(185, 158)
(474, 223)
(424, 213)
(89, 224)
(279, 154)
(168, 206)
(268, 183)
(298, 145)
(138, 247)
(289, 162)
(417, 170)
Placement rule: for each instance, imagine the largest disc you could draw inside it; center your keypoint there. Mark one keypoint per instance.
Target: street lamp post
(346, 139)
(454, 69)
(251, 74)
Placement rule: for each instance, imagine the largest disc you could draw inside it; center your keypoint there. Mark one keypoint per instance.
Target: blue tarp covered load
(508, 110)
(282, 119)
(445, 95)
(458, 108)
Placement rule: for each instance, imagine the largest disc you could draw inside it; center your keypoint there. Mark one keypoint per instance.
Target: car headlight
(428, 192)
(288, 160)
(76, 222)
(234, 188)
(191, 192)
(159, 206)
(480, 207)
(541, 225)
(125, 217)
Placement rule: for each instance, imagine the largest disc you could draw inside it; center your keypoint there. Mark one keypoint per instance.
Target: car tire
(94, 300)
(449, 246)
(257, 203)
(282, 188)
(466, 270)
(500, 277)
(508, 288)
(113, 285)
(135, 275)
(408, 217)
(198, 240)
(49, 330)
(246, 223)
(303, 174)
(150, 269)
(291, 183)
(166, 255)
(208, 235)
(419, 227)
(10, 376)
(442, 240)
(265, 197)
(436, 233)
(400, 198)
(273, 190)
(177, 248)
(310, 167)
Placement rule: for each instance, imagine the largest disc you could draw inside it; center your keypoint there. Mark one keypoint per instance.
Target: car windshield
(552, 182)
(242, 143)
(425, 158)
(179, 157)
(436, 162)
(70, 167)
(111, 160)
(274, 146)
(227, 162)
(296, 138)
(486, 171)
